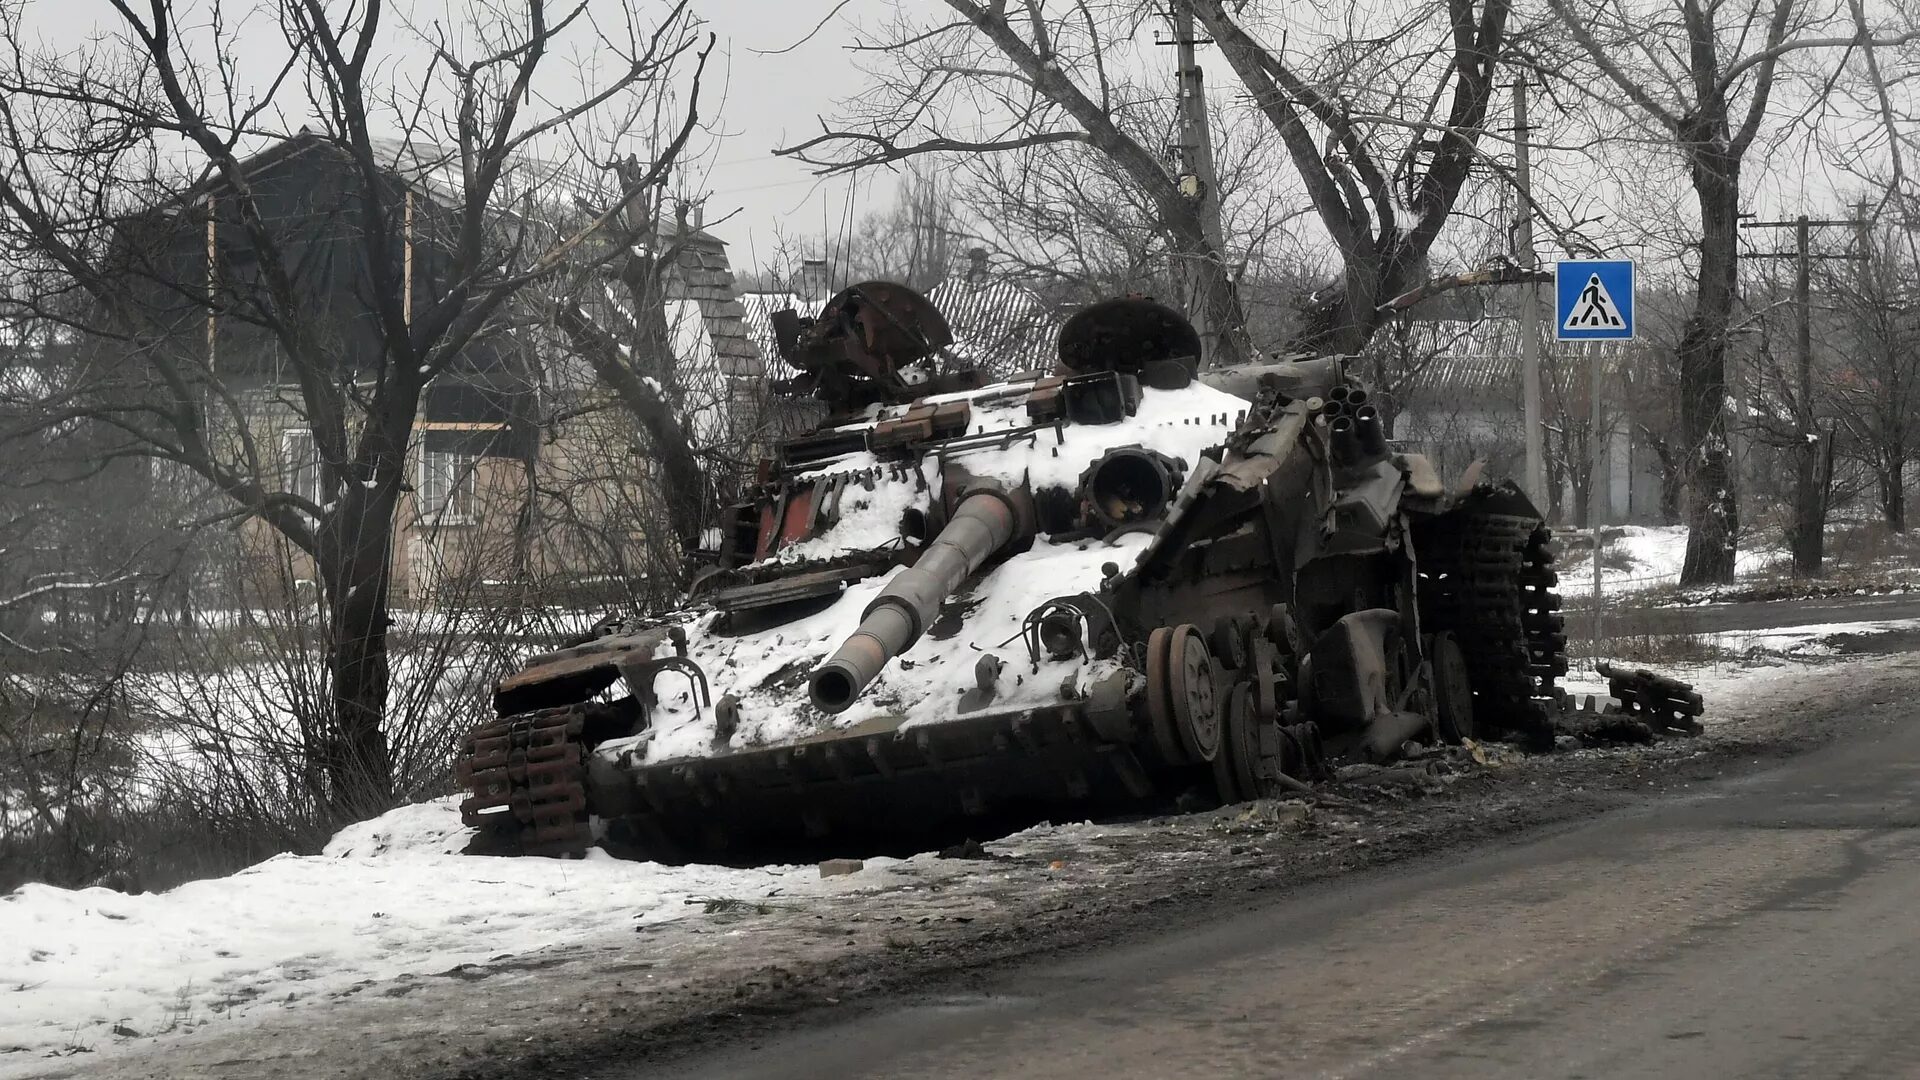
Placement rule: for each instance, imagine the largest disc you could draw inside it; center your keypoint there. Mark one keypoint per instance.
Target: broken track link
(1489, 580)
(1597, 725)
(1661, 702)
(527, 775)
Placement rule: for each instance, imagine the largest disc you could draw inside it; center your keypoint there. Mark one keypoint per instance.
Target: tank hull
(880, 788)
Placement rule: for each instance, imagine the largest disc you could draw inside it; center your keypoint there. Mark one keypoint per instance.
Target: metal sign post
(1594, 301)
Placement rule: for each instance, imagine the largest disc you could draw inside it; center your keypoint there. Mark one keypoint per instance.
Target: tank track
(1490, 580)
(527, 775)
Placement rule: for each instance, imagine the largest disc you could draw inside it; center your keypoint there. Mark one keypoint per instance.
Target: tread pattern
(527, 775)
(1489, 580)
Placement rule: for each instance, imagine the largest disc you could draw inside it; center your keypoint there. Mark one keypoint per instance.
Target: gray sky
(773, 99)
(758, 96)
(751, 101)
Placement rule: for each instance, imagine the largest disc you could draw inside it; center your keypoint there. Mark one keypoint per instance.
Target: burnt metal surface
(527, 776)
(1307, 595)
(854, 352)
(575, 674)
(1128, 333)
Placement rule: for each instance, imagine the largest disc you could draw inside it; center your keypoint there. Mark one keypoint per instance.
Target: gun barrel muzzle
(983, 524)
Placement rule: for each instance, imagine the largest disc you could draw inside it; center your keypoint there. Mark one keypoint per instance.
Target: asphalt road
(1769, 927)
(1754, 615)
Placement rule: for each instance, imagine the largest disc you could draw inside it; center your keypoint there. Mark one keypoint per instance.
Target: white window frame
(301, 456)
(446, 488)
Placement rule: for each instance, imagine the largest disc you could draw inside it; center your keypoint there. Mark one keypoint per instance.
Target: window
(302, 463)
(446, 486)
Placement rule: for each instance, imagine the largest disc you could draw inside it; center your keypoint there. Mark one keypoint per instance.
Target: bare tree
(988, 83)
(119, 156)
(1701, 79)
(1381, 130)
(1873, 381)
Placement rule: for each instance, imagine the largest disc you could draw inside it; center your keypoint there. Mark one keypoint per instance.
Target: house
(524, 475)
(1452, 388)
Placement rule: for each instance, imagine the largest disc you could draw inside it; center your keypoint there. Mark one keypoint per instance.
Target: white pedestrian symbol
(1594, 310)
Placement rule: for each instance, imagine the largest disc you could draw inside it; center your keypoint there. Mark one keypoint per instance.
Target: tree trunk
(355, 579)
(1213, 293)
(684, 484)
(1808, 534)
(1344, 322)
(1673, 486)
(1673, 493)
(1893, 495)
(1712, 513)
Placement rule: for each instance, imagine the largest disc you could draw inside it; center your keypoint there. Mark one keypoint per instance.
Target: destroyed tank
(958, 606)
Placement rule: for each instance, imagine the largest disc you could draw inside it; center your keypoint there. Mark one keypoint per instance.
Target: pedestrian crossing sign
(1595, 300)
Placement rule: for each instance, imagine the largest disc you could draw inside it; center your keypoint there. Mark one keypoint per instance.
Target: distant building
(1453, 387)
(522, 471)
(999, 326)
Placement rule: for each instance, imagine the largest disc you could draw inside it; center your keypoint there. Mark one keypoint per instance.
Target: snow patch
(1654, 555)
(386, 898)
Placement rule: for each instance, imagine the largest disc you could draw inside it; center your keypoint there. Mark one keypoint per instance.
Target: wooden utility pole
(1807, 539)
(1197, 179)
(1536, 475)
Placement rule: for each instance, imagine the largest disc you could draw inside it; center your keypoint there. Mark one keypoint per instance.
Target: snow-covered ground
(1746, 658)
(1812, 640)
(388, 898)
(1653, 555)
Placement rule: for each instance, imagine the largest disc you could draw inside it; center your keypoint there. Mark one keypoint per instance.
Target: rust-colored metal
(528, 783)
(1160, 696)
(1237, 768)
(865, 335)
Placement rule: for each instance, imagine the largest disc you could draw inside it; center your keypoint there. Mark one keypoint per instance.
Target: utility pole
(1809, 485)
(1809, 509)
(1197, 179)
(1536, 476)
(1596, 498)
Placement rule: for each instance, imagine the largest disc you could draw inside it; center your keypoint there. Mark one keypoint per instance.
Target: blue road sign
(1594, 300)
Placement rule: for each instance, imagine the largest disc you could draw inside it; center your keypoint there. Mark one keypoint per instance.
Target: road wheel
(1160, 699)
(1196, 701)
(1452, 689)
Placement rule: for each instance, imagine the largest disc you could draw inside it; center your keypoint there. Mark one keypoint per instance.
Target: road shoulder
(748, 964)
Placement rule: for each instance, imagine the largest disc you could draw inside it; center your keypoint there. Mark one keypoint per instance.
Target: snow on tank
(959, 604)
(878, 500)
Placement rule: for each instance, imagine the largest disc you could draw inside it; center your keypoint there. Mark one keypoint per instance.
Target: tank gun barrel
(983, 524)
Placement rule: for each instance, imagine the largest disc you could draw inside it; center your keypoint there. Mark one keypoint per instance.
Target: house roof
(759, 306)
(700, 272)
(1472, 355)
(998, 326)
(435, 170)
